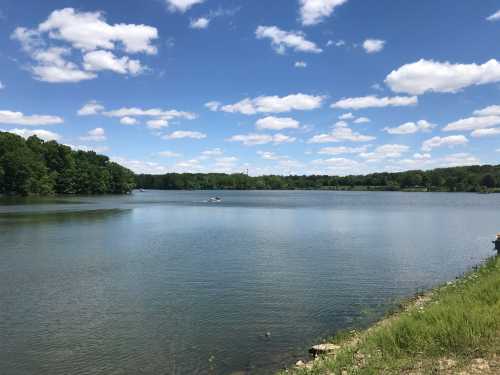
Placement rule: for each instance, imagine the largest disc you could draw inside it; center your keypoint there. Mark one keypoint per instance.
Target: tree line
(484, 178)
(35, 167)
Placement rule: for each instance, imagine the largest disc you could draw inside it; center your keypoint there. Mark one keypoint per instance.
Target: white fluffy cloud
(182, 5)
(277, 123)
(342, 150)
(375, 102)
(481, 133)
(199, 23)
(341, 132)
(338, 166)
(153, 112)
(261, 139)
(275, 104)
(169, 154)
(432, 76)
(346, 116)
(494, 17)
(385, 152)
(300, 64)
(373, 45)
(92, 36)
(91, 108)
(40, 133)
(158, 123)
(473, 123)
(128, 120)
(89, 31)
(180, 134)
(313, 12)
(362, 120)
(451, 141)
(51, 66)
(95, 135)
(19, 118)
(213, 106)
(281, 40)
(2, 86)
(268, 155)
(212, 152)
(492, 110)
(105, 60)
(411, 128)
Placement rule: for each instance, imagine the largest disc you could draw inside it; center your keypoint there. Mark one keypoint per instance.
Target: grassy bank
(453, 329)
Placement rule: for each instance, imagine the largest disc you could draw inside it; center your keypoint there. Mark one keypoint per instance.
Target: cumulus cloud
(2, 86)
(277, 123)
(346, 116)
(105, 60)
(128, 120)
(91, 108)
(268, 155)
(213, 106)
(375, 102)
(199, 23)
(494, 17)
(182, 5)
(313, 12)
(443, 77)
(411, 128)
(481, 133)
(153, 112)
(362, 120)
(19, 118)
(341, 132)
(169, 154)
(473, 123)
(282, 40)
(52, 66)
(95, 135)
(40, 133)
(339, 166)
(342, 150)
(261, 139)
(300, 64)
(89, 31)
(275, 104)
(373, 45)
(390, 151)
(212, 152)
(180, 134)
(157, 124)
(451, 141)
(492, 110)
(92, 36)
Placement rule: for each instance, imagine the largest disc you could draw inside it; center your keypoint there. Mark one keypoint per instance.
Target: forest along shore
(453, 329)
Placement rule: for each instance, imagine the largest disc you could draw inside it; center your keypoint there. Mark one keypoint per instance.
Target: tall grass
(460, 321)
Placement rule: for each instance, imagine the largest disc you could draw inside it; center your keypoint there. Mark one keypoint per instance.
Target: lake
(166, 283)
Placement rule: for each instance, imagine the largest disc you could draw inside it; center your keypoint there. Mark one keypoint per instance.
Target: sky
(266, 87)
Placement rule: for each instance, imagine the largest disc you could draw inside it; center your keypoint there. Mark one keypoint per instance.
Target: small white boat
(214, 200)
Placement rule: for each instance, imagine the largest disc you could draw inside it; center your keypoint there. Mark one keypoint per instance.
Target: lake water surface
(165, 283)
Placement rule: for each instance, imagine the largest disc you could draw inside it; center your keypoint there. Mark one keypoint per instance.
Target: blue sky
(286, 87)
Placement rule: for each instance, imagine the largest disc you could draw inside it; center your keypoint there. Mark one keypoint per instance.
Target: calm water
(164, 283)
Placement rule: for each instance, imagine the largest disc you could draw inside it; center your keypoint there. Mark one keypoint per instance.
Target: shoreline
(452, 328)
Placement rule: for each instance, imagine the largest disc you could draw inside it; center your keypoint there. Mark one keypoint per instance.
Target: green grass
(459, 321)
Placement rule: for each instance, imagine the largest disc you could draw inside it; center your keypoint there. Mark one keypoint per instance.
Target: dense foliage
(33, 166)
(466, 179)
